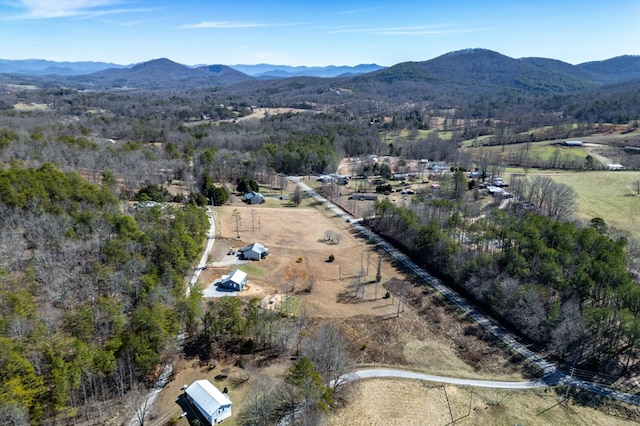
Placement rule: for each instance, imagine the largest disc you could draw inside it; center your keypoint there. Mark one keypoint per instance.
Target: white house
(254, 251)
(212, 404)
(234, 281)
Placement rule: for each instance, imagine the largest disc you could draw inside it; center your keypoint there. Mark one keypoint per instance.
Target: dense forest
(562, 286)
(91, 297)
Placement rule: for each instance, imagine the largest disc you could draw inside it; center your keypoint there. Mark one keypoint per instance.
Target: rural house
(253, 198)
(236, 280)
(437, 166)
(212, 404)
(254, 251)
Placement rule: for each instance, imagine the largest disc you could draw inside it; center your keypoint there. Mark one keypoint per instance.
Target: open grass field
(606, 194)
(427, 335)
(393, 402)
(541, 151)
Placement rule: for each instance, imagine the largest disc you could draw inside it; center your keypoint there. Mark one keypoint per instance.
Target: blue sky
(314, 33)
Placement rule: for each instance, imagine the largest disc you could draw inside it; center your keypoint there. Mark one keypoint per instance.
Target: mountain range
(479, 69)
(41, 67)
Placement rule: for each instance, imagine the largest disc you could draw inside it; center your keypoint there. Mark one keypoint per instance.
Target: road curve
(552, 375)
(403, 374)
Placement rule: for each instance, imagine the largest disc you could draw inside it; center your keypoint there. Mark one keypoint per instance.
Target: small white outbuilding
(212, 404)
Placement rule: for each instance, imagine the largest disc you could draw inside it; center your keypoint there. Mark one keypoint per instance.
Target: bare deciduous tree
(327, 349)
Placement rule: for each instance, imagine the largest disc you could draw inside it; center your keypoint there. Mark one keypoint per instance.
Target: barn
(210, 402)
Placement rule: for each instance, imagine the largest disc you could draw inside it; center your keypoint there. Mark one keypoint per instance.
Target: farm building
(236, 280)
(437, 166)
(253, 198)
(254, 251)
(212, 404)
(399, 176)
(363, 197)
(615, 166)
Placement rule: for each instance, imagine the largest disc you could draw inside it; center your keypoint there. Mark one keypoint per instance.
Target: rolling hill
(162, 74)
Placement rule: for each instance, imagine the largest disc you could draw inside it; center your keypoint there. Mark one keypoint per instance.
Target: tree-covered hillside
(90, 297)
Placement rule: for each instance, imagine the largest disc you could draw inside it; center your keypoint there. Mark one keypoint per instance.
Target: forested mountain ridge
(481, 67)
(472, 69)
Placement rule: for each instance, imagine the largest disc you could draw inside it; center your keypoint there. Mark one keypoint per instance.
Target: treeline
(562, 286)
(91, 298)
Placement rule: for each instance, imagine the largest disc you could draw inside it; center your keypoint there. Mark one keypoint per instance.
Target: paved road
(403, 374)
(552, 375)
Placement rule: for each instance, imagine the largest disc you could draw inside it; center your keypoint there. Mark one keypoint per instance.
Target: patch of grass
(291, 305)
(441, 360)
(252, 270)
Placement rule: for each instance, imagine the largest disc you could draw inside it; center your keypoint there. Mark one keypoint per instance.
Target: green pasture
(402, 135)
(606, 194)
(544, 151)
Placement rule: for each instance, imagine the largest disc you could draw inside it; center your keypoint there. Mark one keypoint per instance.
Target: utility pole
(236, 215)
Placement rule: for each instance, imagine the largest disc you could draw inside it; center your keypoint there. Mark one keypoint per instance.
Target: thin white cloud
(223, 25)
(408, 30)
(49, 9)
(363, 10)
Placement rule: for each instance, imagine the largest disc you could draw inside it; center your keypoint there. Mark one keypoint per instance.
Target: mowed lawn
(607, 194)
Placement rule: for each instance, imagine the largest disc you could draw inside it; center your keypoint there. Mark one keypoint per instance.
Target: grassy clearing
(543, 151)
(409, 402)
(609, 195)
(253, 271)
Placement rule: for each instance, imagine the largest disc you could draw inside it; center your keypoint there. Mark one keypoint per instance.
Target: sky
(314, 33)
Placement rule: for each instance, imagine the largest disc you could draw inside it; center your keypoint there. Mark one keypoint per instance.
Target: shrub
(331, 258)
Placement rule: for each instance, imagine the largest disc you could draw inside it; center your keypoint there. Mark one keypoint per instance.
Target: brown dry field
(427, 336)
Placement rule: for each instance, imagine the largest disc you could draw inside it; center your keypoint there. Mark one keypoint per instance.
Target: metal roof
(207, 396)
(236, 276)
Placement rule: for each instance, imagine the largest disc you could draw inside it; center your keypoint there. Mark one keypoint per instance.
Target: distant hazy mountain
(44, 67)
(284, 71)
(454, 74)
(162, 74)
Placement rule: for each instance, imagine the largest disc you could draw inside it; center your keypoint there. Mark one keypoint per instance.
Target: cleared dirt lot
(298, 259)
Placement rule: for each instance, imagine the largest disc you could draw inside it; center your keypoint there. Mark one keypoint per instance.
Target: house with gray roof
(253, 197)
(254, 251)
